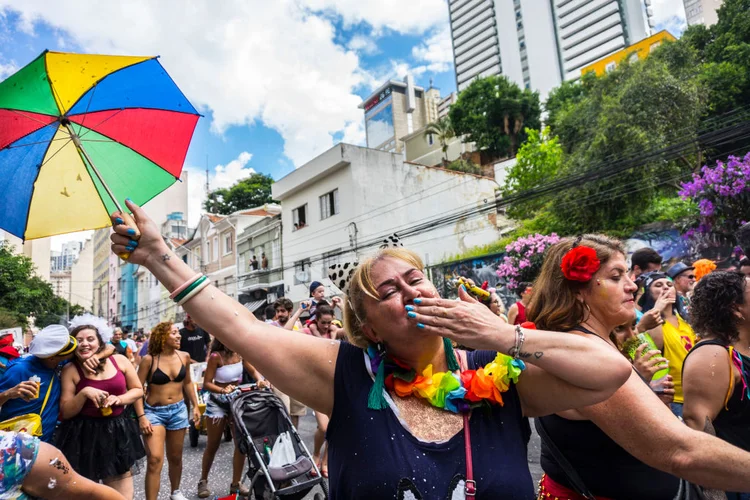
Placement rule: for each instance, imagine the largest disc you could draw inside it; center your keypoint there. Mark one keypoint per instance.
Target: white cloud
(669, 15)
(7, 69)
(436, 51)
(247, 61)
(221, 176)
(364, 44)
(404, 16)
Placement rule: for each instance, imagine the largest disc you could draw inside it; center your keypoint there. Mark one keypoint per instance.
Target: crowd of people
(635, 375)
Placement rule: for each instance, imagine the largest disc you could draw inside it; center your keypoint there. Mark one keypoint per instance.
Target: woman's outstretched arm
(299, 365)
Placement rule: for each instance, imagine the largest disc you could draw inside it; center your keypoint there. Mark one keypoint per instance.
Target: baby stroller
(260, 417)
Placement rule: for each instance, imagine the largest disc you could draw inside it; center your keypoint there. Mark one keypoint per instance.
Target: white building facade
(702, 11)
(539, 43)
(351, 198)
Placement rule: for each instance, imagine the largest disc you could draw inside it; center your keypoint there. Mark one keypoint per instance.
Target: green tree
(444, 132)
(538, 161)
(643, 106)
(24, 294)
(247, 193)
(494, 113)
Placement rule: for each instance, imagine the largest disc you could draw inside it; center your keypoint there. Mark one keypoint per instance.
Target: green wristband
(189, 289)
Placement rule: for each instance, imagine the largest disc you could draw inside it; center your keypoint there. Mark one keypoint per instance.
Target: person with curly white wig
(97, 434)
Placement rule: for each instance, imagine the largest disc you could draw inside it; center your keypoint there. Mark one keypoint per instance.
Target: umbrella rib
(35, 143)
(27, 116)
(80, 136)
(80, 125)
(55, 153)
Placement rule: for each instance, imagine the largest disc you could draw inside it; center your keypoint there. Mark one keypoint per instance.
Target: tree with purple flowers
(723, 197)
(524, 258)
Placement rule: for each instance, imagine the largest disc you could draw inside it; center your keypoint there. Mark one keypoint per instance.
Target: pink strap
(471, 486)
(184, 286)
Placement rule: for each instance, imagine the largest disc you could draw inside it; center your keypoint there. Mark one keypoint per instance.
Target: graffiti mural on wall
(479, 270)
(668, 242)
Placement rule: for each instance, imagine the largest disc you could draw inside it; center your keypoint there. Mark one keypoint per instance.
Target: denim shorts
(220, 405)
(172, 417)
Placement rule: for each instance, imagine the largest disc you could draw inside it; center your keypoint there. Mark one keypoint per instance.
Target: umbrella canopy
(80, 133)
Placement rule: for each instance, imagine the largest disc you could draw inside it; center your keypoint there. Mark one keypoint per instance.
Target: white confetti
(52, 483)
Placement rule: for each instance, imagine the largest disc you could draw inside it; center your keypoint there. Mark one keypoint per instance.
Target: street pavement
(221, 472)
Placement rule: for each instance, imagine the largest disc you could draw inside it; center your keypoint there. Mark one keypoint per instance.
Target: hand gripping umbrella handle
(130, 222)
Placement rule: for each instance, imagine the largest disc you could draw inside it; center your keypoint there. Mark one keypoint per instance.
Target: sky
(278, 82)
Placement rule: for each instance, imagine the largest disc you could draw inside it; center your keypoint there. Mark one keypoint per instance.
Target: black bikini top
(158, 377)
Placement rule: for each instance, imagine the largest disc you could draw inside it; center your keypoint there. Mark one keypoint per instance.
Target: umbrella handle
(130, 222)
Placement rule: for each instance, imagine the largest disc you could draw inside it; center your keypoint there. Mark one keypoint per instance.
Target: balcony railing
(259, 279)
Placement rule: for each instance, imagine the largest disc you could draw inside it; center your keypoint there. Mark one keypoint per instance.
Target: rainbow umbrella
(80, 133)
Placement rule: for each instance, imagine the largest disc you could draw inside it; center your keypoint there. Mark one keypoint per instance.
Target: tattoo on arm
(166, 257)
(525, 354)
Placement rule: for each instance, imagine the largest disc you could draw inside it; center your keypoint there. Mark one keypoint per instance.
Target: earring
(599, 282)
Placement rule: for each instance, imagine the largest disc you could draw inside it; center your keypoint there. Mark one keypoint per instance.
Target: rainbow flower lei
(457, 393)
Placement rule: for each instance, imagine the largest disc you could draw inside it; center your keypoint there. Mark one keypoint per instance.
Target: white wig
(105, 331)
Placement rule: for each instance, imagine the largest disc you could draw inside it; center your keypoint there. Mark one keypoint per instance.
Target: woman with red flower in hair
(629, 446)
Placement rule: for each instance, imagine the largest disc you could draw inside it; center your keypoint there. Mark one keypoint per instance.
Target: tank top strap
(112, 359)
(78, 369)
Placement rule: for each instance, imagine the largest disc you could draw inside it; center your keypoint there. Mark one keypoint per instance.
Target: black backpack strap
(575, 480)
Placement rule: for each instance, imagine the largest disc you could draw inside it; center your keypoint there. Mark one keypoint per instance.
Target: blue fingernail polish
(131, 232)
(463, 288)
(133, 243)
(417, 301)
(411, 314)
(409, 308)
(119, 221)
(128, 199)
(420, 325)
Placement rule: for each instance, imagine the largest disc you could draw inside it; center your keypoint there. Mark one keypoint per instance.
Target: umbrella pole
(126, 216)
(77, 141)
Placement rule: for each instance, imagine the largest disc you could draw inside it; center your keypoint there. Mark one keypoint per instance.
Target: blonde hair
(362, 286)
(554, 303)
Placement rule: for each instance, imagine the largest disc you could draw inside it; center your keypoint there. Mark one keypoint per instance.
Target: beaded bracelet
(203, 284)
(184, 286)
(190, 288)
(520, 338)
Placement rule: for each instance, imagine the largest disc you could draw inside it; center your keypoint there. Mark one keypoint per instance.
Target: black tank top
(732, 424)
(605, 467)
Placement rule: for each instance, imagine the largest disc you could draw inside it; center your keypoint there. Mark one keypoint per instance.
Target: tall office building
(702, 11)
(539, 43)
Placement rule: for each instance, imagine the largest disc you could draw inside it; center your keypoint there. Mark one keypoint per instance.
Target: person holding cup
(51, 348)
(97, 435)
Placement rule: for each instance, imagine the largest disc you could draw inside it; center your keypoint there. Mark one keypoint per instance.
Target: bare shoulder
(69, 372)
(184, 357)
(122, 362)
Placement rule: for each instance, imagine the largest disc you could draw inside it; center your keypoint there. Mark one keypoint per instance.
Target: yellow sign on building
(639, 50)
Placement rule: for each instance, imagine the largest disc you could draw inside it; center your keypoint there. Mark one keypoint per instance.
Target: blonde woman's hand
(112, 401)
(467, 321)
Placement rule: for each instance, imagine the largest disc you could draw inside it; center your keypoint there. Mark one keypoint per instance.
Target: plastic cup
(106, 411)
(632, 344)
(38, 383)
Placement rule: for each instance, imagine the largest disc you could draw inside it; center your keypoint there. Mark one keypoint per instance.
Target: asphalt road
(221, 472)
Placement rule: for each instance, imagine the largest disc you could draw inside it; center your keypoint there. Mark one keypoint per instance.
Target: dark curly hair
(715, 299)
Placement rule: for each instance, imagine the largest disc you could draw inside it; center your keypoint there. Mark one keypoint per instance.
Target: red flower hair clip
(580, 264)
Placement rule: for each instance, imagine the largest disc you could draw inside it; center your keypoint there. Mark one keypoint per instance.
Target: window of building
(430, 139)
(329, 204)
(299, 217)
(610, 66)
(653, 46)
(185, 258)
(216, 248)
(227, 243)
(302, 272)
(633, 57)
